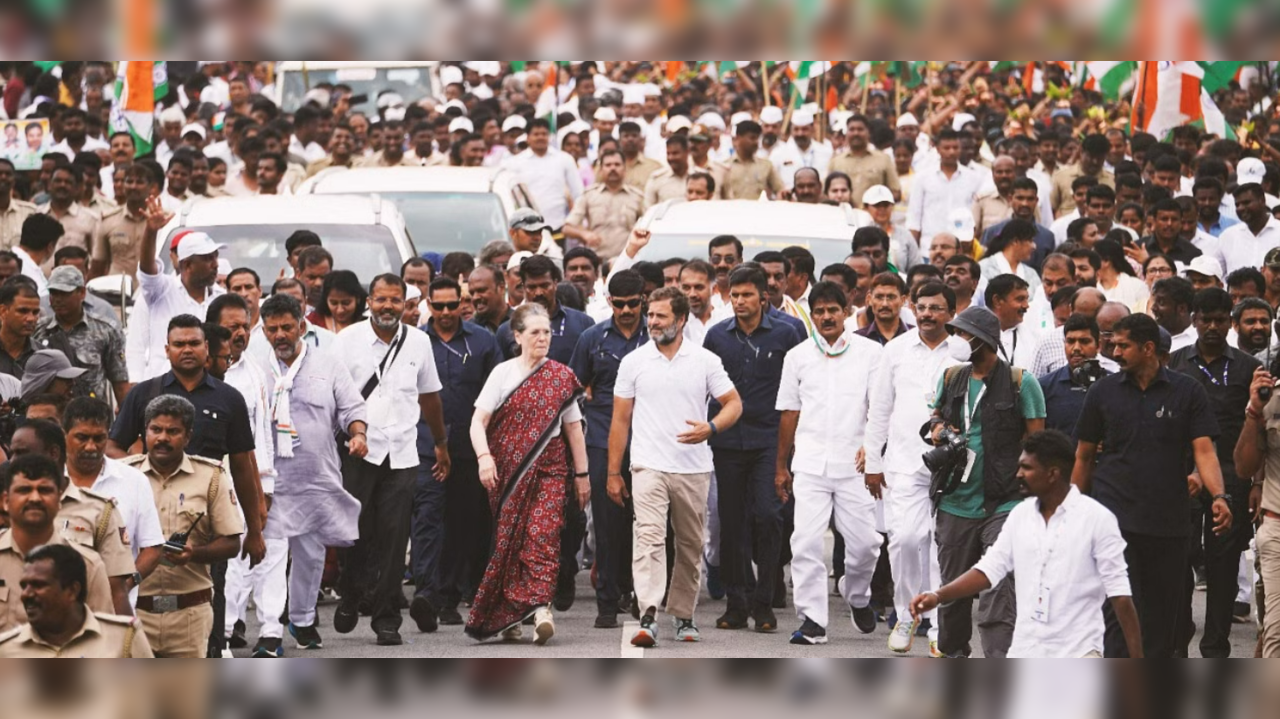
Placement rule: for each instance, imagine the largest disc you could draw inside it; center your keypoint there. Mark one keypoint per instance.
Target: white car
(365, 234)
(446, 209)
(684, 229)
(411, 80)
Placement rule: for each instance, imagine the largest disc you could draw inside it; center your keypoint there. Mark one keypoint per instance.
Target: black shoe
(306, 637)
(565, 591)
(1241, 613)
(268, 648)
(424, 615)
(606, 620)
(365, 607)
(864, 619)
(237, 640)
(733, 618)
(764, 619)
(346, 618)
(809, 634)
(449, 617)
(389, 638)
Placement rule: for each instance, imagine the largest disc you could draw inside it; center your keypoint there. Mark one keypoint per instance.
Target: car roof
(756, 217)
(286, 209)
(406, 179)
(297, 65)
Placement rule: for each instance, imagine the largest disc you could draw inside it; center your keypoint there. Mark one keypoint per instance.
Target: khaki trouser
(183, 634)
(1268, 541)
(684, 497)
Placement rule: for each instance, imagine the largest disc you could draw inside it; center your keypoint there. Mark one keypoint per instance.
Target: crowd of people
(1042, 377)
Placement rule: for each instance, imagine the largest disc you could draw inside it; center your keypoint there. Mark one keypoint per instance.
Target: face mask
(961, 351)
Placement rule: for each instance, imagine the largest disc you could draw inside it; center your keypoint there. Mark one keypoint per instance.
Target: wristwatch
(1225, 497)
(136, 578)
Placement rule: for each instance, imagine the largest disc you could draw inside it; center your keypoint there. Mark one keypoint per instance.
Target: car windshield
(451, 221)
(367, 250)
(662, 246)
(410, 83)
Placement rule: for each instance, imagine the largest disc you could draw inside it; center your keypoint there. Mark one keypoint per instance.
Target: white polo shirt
(31, 269)
(250, 382)
(906, 385)
(166, 298)
(393, 406)
(1066, 570)
(668, 394)
(831, 394)
(1239, 247)
(136, 504)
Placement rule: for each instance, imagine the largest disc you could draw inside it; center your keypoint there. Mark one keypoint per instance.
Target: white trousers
(711, 535)
(913, 554)
(268, 583)
(304, 578)
(817, 498)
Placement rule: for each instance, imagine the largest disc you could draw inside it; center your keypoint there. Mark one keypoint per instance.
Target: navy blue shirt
(463, 363)
(754, 363)
(1063, 401)
(566, 327)
(1145, 448)
(222, 418)
(1227, 381)
(1046, 243)
(595, 360)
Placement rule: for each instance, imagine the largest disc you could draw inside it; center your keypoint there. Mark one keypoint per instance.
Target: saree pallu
(528, 502)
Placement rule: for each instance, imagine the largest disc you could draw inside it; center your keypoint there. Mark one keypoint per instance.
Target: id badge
(1041, 611)
(970, 459)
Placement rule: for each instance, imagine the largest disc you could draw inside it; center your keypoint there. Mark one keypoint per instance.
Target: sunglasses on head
(628, 304)
(445, 306)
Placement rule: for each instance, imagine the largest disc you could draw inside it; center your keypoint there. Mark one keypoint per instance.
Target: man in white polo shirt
(1246, 244)
(665, 384)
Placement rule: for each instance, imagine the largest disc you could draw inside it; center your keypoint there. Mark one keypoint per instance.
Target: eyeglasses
(630, 304)
(445, 306)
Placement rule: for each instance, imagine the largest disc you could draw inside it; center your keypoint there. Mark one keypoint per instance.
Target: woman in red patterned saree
(526, 430)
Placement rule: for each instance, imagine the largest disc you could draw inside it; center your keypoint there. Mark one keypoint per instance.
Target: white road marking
(629, 630)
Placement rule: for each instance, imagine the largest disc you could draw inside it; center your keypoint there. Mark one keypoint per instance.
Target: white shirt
(31, 268)
(551, 178)
(311, 152)
(1019, 345)
(1060, 225)
(1129, 291)
(91, 144)
(933, 197)
(1075, 561)
(393, 406)
(166, 298)
(1185, 338)
(998, 264)
(249, 380)
(506, 379)
(667, 393)
(1241, 248)
(787, 157)
(900, 400)
(136, 504)
(831, 395)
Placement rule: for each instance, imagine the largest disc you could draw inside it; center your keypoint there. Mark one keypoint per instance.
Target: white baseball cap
(960, 120)
(197, 244)
(197, 128)
(906, 119)
(960, 223)
(1250, 170)
(1204, 265)
(605, 114)
(514, 122)
(450, 75)
(461, 124)
(877, 194)
(711, 121)
(770, 115)
(802, 118)
(678, 123)
(455, 103)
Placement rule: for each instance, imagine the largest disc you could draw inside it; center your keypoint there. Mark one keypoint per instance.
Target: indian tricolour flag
(1105, 76)
(1172, 93)
(139, 84)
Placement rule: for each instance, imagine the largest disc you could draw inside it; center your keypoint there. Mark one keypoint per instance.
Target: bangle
(483, 455)
(579, 475)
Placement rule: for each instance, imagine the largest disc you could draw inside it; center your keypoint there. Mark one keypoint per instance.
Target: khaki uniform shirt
(118, 241)
(379, 160)
(101, 204)
(608, 214)
(989, 208)
(11, 220)
(181, 498)
(663, 185)
(746, 180)
(1061, 198)
(103, 636)
(639, 172)
(325, 163)
(12, 561)
(92, 520)
(866, 171)
(1271, 456)
(79, 225)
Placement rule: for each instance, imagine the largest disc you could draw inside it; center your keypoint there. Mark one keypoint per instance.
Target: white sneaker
(903, 634)
(512, 633)
(544, 627)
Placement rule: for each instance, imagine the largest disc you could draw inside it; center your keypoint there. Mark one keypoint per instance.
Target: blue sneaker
(268, 648)
(306, 637)
(809, 633)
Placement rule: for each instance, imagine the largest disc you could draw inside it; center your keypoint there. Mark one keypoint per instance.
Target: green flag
(1218, 75)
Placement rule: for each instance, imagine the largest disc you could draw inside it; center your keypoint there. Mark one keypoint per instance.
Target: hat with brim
(979, 322)
(43, 368)
(65, 279)
(527, 219)
(197, 244)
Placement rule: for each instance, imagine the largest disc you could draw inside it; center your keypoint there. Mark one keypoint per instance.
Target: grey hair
(495, 248)
(520, 319)
(281, 304)
(171, 405)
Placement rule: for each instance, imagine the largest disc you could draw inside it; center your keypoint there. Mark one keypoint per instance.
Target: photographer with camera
(1064, 388)
(984, 410)
(1226, 374)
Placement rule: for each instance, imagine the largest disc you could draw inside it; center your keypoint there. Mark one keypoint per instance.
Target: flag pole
(822, 102)
(764, 83)
(866, 90)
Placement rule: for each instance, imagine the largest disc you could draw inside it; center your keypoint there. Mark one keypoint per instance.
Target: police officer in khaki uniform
(79, 223)
(54, 587)
(84, 517)
(32, 485)
(1093, 158)
(747, 175)
(194, 497)
(670, 182)
(604, 214)
(637, 168)
(13, 212)
(120, 234)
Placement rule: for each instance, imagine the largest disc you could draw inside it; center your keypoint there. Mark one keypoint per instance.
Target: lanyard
(1008, 356)
(1226, 365)
(973, 411)
(466, 343)
(745, 340)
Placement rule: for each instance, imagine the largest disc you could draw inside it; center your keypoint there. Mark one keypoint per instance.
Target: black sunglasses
(443, 306)
(628, 304)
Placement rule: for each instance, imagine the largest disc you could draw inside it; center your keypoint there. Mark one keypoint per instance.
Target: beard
(667, 335)
(386, 320)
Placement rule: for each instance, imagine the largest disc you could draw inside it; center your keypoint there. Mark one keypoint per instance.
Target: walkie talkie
(178, 542)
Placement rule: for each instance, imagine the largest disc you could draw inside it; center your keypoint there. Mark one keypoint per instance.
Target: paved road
(576, 638)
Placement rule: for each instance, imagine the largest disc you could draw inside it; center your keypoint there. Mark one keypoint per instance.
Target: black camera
(948, 450)
(1088, 373)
